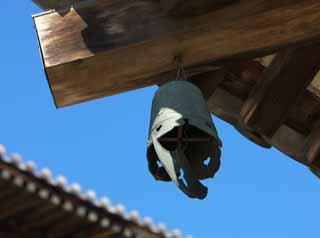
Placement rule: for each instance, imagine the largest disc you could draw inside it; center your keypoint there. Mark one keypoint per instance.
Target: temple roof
(32, 203)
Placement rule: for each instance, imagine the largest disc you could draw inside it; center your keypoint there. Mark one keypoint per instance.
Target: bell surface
(183, 144)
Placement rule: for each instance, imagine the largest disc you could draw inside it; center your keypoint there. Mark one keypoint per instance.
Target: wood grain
(106, 49)
(298, 137)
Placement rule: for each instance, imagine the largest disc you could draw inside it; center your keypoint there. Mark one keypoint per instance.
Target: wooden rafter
(296, 137)
(105, 49)
(279, 88)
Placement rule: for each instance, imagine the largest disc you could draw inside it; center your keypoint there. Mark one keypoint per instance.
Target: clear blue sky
(101, 144)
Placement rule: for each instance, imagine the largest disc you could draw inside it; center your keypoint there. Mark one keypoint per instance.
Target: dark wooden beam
(191, 7)
(227, 107)
(305, 113)
(66, 227)
(291, 139)
(9, 235)
(246, 74)
(242, 77)
(10, 229)
(8, 192)
(20, 204)
(60, 4)
(106, 49)
(287, 140)
(280, 88)
(209, 82)
(94, 232)
(43, 216)
(313, 148)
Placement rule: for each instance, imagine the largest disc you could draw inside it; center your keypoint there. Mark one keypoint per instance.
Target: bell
(183, 144)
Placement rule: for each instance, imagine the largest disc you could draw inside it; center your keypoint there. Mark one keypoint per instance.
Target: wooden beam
(305, 113)
(42, 216)
(16, 207)
(67, 227)
(94, 231)
(291, 139)
(242, 77)
(9, 235)
(63, 5)
(227, 107)
(286, 139)
(105, 49)
(10, 229)
(246, 73)
(50, 4)
(313, 147)
(279, 89)
(11, 206)
(46, 4)
(191, 7)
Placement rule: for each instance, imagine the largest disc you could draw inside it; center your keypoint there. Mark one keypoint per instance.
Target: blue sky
(102, 145)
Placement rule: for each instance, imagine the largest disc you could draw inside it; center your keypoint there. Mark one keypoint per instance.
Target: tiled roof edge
(60, 182)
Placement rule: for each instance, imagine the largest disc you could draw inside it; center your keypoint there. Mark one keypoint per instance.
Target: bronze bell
(183, 144)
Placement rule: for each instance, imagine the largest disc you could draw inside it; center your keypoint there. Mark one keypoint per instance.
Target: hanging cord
(181, 73)
(182, 76)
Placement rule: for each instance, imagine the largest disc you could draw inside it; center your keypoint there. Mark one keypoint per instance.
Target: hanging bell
(183, 144)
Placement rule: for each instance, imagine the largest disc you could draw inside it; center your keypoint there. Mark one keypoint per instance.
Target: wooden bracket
(227, 107)
(313, 147)
(281, 86)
